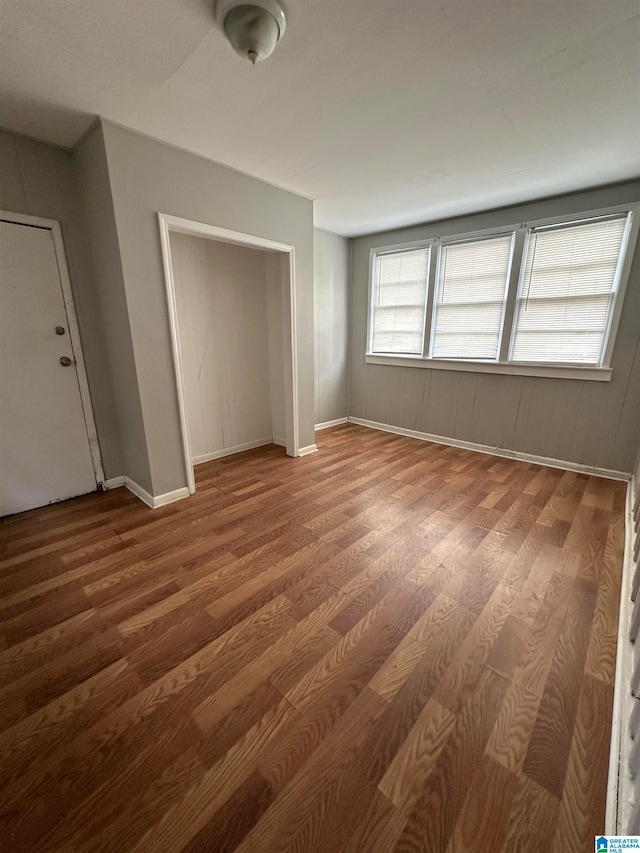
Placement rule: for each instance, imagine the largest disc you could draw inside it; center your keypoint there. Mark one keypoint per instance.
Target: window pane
(571, 347)
(400, 297)
(581, 314)
(470, 299)
(566, 292)
(467, 330)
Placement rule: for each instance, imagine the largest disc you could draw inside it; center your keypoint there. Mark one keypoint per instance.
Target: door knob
(65, 361)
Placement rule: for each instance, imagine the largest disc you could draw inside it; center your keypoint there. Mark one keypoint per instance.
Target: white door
(44, 447)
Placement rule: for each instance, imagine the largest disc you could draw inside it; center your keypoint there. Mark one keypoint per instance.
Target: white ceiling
(387, 112)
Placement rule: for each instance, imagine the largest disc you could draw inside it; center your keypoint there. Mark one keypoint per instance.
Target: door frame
(54, 227)
(170, 223)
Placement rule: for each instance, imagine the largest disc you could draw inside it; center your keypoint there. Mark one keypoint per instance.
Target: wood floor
(388, 645)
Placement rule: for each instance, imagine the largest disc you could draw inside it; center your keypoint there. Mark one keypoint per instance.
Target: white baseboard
(620, 787)
(155, 501)
(327, 424)
(305, 451)
(228, 451)
(496, 451)
(302, 451)
(114, 483)
(170, 497)
(139, 492)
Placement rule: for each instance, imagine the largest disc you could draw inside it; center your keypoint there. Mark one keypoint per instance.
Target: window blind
(566, 291)
(400, 297)
(470, 298)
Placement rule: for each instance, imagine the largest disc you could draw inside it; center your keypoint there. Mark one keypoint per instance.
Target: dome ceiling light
(253, 28)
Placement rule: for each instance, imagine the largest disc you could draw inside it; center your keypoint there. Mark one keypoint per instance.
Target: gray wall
(331, 311)
(147, 177)
(40, 180)
(111, 307)
(593, 423)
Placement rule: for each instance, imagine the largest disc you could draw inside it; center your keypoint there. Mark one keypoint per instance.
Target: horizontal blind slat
(557, 315)
(566, 292)
(470, 300)
(561, 347)
(400, 297)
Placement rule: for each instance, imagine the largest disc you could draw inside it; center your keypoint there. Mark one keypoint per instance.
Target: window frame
(503, 364)
(455, 241)
(390, 250)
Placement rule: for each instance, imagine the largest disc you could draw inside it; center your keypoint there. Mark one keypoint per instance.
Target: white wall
(221, 294)
(591, 423)
(331, 332)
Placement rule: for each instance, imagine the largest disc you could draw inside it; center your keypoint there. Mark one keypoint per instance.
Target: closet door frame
(170, 223)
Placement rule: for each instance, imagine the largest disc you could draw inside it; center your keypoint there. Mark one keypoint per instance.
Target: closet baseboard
(228, 451)
(327, 424)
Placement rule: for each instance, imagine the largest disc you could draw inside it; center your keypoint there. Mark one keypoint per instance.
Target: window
(399, 302)
(541, 298)
(470, 298)
(567, 291)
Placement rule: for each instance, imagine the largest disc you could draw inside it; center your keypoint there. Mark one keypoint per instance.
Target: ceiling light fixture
(253, 27)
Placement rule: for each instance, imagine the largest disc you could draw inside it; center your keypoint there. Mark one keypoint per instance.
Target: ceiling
(387, 112)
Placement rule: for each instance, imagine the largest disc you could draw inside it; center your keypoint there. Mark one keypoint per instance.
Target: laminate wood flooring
(389, 645)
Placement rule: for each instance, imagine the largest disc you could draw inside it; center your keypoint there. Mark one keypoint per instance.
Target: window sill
(597, 374)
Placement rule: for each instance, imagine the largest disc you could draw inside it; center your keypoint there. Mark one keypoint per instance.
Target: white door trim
(213, 232)
(74, 333)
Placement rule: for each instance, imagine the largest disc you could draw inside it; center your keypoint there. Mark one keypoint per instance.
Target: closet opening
(231, 307)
